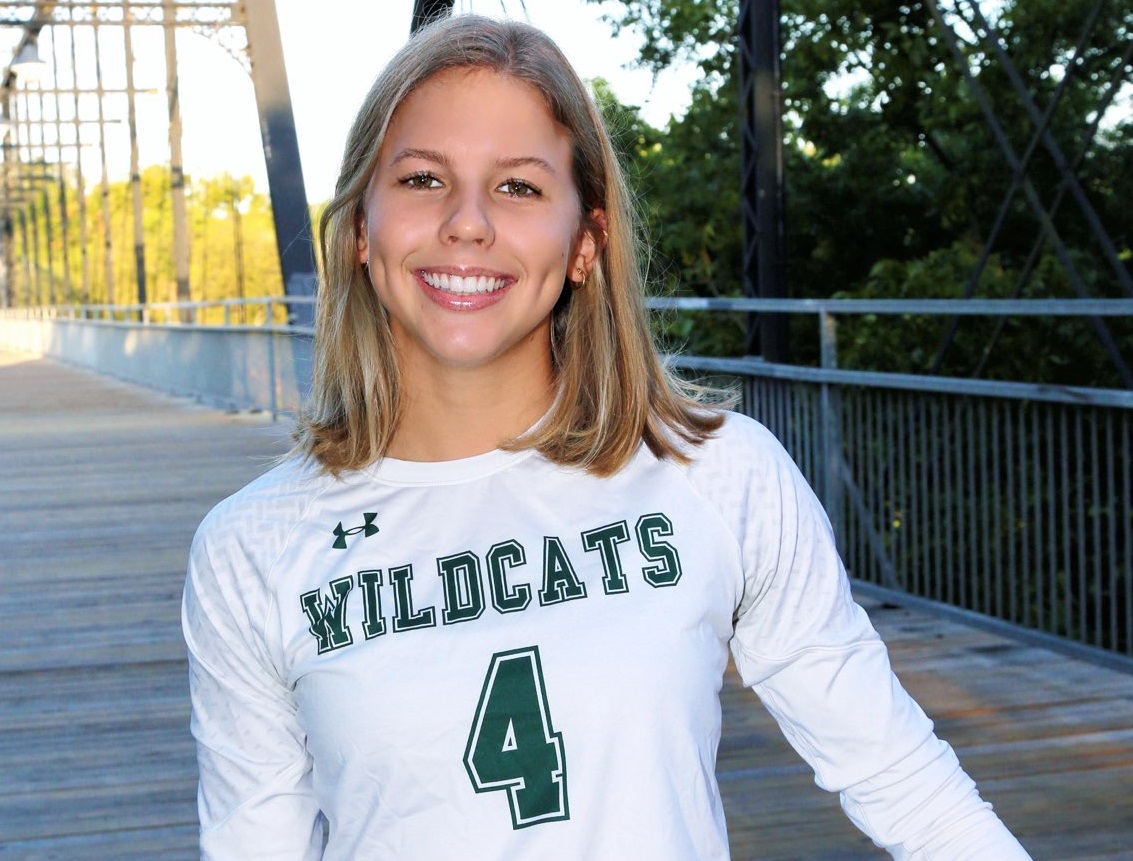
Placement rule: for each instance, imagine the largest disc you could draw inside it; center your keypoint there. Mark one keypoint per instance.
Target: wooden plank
(1049, 740)
(101, 487)
(165, 843)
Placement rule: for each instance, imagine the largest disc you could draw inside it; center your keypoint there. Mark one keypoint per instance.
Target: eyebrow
(528, 161)
(440, 158)
(423, 154)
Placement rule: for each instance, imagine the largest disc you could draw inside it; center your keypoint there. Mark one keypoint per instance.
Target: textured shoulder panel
(257, 520)
(743, 459)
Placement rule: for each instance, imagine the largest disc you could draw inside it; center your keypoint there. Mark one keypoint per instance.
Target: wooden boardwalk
(101, 487)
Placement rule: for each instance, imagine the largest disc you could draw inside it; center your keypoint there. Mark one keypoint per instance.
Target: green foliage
(1055, 350)
(685, 178)
(232, 250)
(894, 180)
(895, 175)
(233, 253)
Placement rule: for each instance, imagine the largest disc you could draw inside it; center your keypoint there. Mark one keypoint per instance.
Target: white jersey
(501, 658)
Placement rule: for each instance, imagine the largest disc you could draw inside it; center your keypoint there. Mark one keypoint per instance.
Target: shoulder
(234, 556)
(742, 449)
(256, 520)
(284, 487)
(746, 475)
(742, 430)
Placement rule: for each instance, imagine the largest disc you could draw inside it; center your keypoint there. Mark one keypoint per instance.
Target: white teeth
(461, 284)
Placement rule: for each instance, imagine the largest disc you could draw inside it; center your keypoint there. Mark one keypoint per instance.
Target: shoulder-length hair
(613, 390)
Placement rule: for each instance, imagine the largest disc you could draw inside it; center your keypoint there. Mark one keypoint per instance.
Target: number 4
(513, 746)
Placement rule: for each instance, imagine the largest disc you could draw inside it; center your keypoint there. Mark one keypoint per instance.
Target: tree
(232, 252)
(894, 175)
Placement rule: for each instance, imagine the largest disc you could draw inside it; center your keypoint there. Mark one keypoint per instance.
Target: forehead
(469, 106)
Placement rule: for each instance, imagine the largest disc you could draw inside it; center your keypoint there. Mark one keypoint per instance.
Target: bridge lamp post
(27, 64)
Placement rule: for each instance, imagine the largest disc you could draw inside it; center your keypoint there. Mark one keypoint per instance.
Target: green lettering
(513, 746)
(464, 591)
(605, 540)
(560, 583)
(650, 528)
(373, 623)
(404, 618)
(505, 597)
(327, 615)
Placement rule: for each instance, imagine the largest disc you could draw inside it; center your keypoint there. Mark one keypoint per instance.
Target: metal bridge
(998, 516)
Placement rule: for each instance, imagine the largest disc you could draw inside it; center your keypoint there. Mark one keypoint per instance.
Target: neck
(460, 413)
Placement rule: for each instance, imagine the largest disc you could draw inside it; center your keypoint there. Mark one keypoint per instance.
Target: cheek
(387, 227)
(383, 239)
(556, 241)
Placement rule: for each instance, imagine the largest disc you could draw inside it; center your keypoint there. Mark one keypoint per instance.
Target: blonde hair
(613, 390)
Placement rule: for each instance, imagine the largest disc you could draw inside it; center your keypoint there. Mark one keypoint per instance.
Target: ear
(591, 241)
(363, 243)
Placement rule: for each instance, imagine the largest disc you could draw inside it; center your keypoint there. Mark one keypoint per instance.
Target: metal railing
(252, 311)
(235, 353)
(1011, 500)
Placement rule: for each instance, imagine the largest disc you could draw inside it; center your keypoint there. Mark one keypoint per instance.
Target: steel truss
(247, 31)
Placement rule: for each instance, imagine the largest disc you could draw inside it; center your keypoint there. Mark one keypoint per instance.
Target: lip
(463, 287)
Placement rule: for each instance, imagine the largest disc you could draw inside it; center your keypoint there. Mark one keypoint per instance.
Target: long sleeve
(255, 799)
(812, 656)
(866, 739)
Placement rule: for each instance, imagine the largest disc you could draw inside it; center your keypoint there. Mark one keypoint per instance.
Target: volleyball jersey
(502, 658)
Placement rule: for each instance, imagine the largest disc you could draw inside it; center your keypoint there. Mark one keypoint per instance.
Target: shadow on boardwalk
(101, 487)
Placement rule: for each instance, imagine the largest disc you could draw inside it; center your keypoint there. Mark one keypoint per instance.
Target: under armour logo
(367, 529)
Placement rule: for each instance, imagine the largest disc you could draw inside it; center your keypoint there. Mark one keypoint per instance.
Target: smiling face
(471, 226)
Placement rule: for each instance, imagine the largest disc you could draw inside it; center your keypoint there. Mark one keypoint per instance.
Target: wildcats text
(470, 583)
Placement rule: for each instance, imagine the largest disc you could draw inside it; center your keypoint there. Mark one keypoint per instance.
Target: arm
(812, 656)
(866, 739)
(254, 799)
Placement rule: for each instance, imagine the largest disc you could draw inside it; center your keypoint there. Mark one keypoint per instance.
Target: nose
(468, 219)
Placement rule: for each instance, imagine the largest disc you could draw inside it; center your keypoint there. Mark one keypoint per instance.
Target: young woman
(485, 609)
